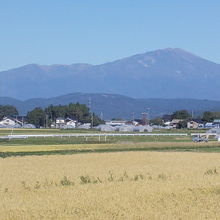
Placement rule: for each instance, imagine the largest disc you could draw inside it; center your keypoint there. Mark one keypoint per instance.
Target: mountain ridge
(164, 73)
(117, 106)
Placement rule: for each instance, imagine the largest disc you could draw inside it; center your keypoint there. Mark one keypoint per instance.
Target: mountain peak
(174, 50)
(164, 73)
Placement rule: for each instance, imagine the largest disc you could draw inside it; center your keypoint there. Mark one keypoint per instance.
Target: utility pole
(148, 112)
(46, 121)
(144, 117)
(92, 119)
(90, 106)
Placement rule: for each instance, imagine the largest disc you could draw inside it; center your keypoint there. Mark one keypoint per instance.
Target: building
(125, 128)
(71, 122)
(209, 125)
(216, 123)
(167, 123)
(115, 123)
(66, 123)
(143, 128)
(59, 122)
(192, 125)
(85, 126)
(10, 122)
(175, 122)
(105, 128)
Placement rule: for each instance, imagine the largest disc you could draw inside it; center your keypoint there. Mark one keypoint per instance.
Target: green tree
(182, 124)
(79, 112)
(181, 114)
(157, 121)
(208, 116)
(7, 110)
(97, 120)
(37, 117)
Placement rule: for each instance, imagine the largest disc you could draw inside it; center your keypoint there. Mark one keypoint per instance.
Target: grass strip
(109, 150)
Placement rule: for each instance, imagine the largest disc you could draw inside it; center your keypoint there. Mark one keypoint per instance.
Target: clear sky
(98, 31)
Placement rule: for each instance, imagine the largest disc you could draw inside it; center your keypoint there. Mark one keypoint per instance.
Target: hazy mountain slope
(167, 73)
(118, 106)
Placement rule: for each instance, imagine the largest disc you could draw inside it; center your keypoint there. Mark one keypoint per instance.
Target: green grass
(73, 145)
(4, 131)
(92, 140)
(204, 148)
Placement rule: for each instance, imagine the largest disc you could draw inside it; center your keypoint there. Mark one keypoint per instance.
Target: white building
(9, 122)
(59, 122)
(105, 128)
(85, 126)
(115, 123)
(143, 128)
(71, 122)
(126, 128)
(192, 125)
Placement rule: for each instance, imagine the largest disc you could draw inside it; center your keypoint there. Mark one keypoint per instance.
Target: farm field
(122, 185)
(73, 145)
(68, 149)
(120, 177)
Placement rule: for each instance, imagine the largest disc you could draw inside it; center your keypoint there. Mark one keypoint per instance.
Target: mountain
(117, 106)
(166, 73)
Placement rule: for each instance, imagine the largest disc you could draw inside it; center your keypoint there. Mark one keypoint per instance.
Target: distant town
(78, 116)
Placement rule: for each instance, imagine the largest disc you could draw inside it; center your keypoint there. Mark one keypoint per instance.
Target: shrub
(211, 172)
(66, 182)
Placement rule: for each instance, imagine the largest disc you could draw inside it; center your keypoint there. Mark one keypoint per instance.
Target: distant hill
(166, 73)
(117, 106)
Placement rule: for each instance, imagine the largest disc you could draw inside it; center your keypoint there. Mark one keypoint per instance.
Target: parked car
(200, 139)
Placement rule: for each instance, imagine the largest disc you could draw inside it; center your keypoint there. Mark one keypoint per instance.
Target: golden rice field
(128, 185)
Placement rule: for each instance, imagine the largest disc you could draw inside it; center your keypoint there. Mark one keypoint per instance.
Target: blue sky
(98, 31)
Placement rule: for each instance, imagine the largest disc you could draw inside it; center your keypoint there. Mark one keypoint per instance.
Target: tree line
(81, 113)
(45, 117)
(7, 110)
(185, 116)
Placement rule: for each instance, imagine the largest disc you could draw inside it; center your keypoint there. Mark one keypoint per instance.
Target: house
(192, 125)
(64, 123)
(167, 123)
(174, 123)
(10, 122)
(59, 122)
(209, 125)
(71, 122)
(21, 119)
(216, 123)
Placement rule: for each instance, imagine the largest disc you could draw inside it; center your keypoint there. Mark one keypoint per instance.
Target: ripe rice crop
(128, 185)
